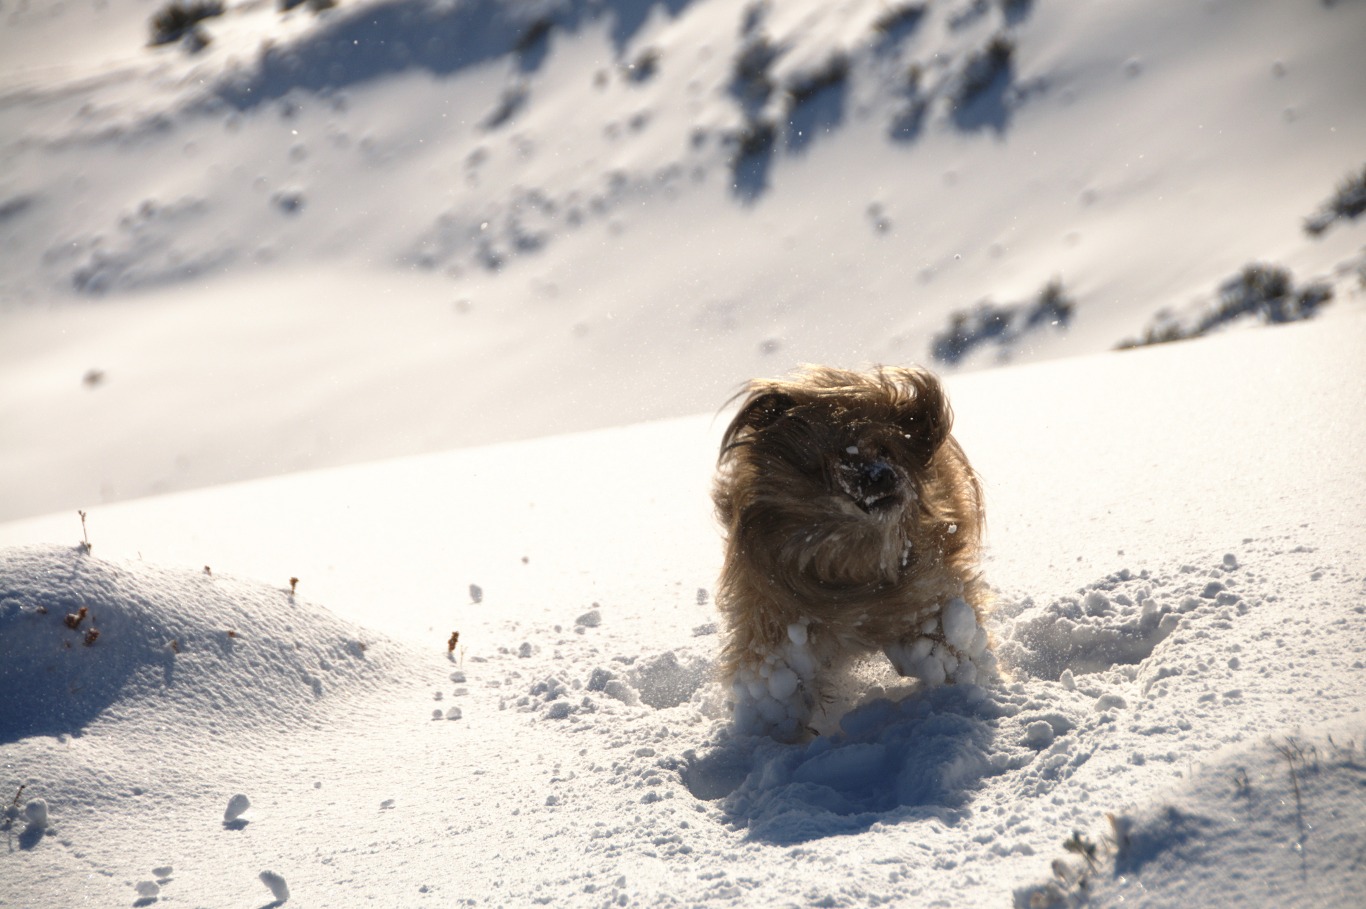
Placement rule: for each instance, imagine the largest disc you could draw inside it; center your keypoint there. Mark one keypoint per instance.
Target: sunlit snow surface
(397, 227)
(401, 226)
(1181, 615)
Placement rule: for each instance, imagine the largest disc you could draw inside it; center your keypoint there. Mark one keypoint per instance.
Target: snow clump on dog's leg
(968, 638)
(950, 648)
(774, 692)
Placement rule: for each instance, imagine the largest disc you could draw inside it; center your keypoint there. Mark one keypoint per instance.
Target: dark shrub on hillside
(1346, 204)
(180, 17)
(534, 35)
(1351, 198)
(751, 82)
(983, 68)
(753, 139)
(1263, 292)
(898, 20)
(1267, 292)
(805, 86)
(1003, 324)
(643, 67)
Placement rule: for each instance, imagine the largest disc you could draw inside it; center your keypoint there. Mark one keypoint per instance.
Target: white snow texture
(1207, 701)
(379, 345)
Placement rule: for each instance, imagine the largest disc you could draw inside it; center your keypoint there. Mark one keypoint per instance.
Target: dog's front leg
(774, 687)
(951, 647)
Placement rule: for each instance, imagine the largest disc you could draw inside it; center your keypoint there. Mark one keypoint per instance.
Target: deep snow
(399, 226)
(1179, 610)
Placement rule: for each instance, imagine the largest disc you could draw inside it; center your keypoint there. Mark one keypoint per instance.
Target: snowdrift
(82, 638)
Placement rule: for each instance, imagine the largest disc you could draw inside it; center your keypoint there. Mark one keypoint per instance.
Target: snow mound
(83, 638)
(1278, 824)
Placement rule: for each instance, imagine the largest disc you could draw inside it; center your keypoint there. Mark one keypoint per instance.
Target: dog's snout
(877, 478)
(873, 485)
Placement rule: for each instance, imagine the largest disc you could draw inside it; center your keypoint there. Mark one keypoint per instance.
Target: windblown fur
(853, 524)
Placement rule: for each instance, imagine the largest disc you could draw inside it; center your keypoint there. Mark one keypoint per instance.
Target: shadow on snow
(919, 759)
(401, 36)
(57, 678)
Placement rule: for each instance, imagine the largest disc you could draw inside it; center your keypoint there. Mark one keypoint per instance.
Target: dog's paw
(950, 648)
(773, 693)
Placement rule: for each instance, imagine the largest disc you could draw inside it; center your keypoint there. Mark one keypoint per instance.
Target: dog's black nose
(877, 478)
(873, 485)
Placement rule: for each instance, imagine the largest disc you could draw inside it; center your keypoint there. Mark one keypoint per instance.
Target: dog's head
(857, 441)
(829, 464)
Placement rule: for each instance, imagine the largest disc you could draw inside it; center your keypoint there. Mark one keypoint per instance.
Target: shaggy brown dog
(853, 525)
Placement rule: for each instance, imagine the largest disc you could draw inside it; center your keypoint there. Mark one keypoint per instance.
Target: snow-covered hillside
(454, 288)
(394, 227)
(1176, 539)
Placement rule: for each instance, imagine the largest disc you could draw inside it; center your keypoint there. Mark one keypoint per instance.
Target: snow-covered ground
(420, 314)
(1176, 540)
